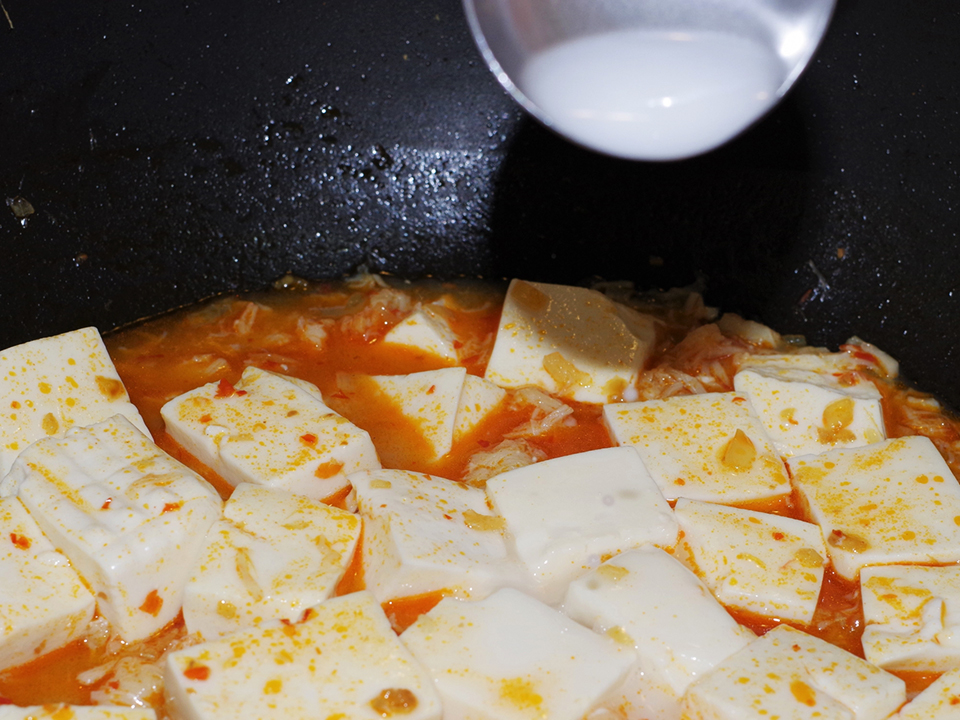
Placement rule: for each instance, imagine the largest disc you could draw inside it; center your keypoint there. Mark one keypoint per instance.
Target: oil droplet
(394, 701)
(740, 452)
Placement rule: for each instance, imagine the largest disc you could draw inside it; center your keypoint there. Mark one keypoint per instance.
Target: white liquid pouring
(653, 95)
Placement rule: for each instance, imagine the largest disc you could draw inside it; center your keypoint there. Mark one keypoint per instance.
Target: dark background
(177, 150)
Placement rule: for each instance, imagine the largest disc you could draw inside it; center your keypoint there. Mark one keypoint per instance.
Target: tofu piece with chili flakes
(940, 701)
(819, 361)
(478, 399)
(270, 430)
(572, 342)
(765, 564)
(130, 518)
(510, 657)
(647, 600)
(62, 711)
(428, 332)
(912, 616)
(425, 534)
(806, 412)
(895, 502)
(790, 674)
(707, 447)
(342, 660)
(564, 516)
(429, 400)
(43, 603)
(271, 556)
(857, 356)
(52, 384)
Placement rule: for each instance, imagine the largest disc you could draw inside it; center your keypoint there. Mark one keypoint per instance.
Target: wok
(176, 150)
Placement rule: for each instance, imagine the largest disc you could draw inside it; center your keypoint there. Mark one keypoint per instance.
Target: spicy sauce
(331, 335)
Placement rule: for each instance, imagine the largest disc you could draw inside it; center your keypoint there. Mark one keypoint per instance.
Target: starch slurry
(654, 95)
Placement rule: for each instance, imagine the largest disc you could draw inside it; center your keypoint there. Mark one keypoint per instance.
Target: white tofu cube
(704, 447)
(478, 399)
(510, 657)
(857, 357)
(912, 616)
(818, 361)
(343, 660)
(428, 332)
(755, 333)
(940, 701)
(789, 674)
(273, 555)
(270, 430)
(49, 385)
(424, 534)
(567, 515)
(130, 518)
(429, 401)
(892, 502)
(647, 600)
(570, 341)
(61, 711)
(872, 358)
(43, 603)
(766, 564)
(805, 412)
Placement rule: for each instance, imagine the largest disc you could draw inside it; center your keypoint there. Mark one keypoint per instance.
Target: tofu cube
(478, 399)
(857, 357)
(130, 518)
(429, 400)
(49, 385)
(871, 358)
(940, 701)
(566, 515)
(912, 616)
(790, 674)
(818, 361)
(273, 555)
(765, 564)
(428, 332)
(704, 447)
(424, 534)
(733, 325)
(895, 502)
(270, 430)
(510, 657)
(647, 600)
(43, 603)
(806, 412)
(570, 341)
(62, 711)
(343, 660)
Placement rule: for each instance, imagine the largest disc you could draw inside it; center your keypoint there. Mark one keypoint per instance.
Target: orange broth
(165, 357)
(50, 678)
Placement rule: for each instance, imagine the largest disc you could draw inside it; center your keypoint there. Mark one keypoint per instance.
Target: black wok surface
(180, 149)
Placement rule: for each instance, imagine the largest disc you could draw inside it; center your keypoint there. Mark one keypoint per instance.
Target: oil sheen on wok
(378, 499)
